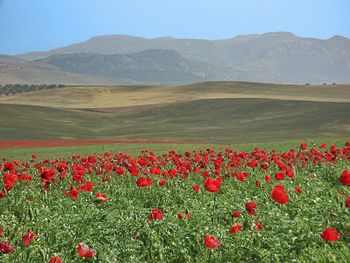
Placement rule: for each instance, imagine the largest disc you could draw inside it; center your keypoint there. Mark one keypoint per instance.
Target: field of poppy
(210, 205)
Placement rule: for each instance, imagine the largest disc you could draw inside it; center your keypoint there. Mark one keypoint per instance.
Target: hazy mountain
(150, 66)
(272, 57)
(14, 70)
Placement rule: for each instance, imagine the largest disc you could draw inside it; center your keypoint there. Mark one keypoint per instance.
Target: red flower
(251, 207)
(28, 237)
(236, 228)
(236, 214)
(330, 234)
(85, 252)
(268, 178)
(257, 225)
(303, 146)
(279, 176)
(47, 175)
(345, 178)
(25, 178)
(87, 187)
(101, 198)
(155, 214)
(212, 185)
(9, 180)
(211, 242)
(55, 259)
(180, 216)
(120, 171)
(8, 166)
(205, 173)
(143, 182)
(196, 188)
(73, 193)
(347, 201)
(6, 248)
(1, 231)
(297, 189)
(162, 182)
(279, 195)
(241, 176)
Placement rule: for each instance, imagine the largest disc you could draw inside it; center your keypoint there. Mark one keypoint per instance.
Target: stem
(209, 256)
(214, 209)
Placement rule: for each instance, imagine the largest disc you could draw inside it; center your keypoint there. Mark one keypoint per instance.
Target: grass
(210, 112)
(130, 148)
(201, 121)
(120, 231)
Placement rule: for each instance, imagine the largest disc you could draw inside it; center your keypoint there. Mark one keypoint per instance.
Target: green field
(62, 213)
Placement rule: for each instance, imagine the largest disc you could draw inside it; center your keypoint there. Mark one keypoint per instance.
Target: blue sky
(28, 25)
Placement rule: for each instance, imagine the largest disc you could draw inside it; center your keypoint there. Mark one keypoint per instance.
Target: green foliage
(120, 232)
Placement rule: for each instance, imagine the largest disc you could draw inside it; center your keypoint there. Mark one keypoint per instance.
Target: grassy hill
(225, 112)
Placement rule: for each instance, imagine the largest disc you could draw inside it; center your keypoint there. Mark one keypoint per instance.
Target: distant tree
(11, 89)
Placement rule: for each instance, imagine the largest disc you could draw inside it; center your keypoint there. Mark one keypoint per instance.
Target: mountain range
(278, 57)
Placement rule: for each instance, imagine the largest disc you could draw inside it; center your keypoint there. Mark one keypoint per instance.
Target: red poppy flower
(55, 259)
(303, 146)
(47, 175)
(236, 214)
(101, 198)
(211, 242)
(87, 187)
(279, 195)
(143, 182)
(6, 248)
(162, 182)
(345, 178)
(330, 235)
(212, 185)
(251, 208)
(297, 189)
(1, 231)
(9, 180)
(73, 193)
(205, 173)
(235, 229)
(85, 252)
(279, 176)
(156, 214)
(268, 178)
(347, 201)
(8, 166)
(196, 188)
(28, 237)
(258, 226)
(241, 176)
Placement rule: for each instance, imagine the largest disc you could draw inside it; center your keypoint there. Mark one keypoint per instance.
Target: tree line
(11, 89)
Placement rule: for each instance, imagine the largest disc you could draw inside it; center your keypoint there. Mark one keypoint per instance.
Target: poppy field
(204, 205)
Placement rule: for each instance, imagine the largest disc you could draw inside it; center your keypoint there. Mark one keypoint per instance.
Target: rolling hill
(211, 112)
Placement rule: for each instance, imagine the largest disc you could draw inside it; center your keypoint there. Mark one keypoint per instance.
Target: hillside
(14, 70)
(279, 57)
(210, 112)
(151, 66)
